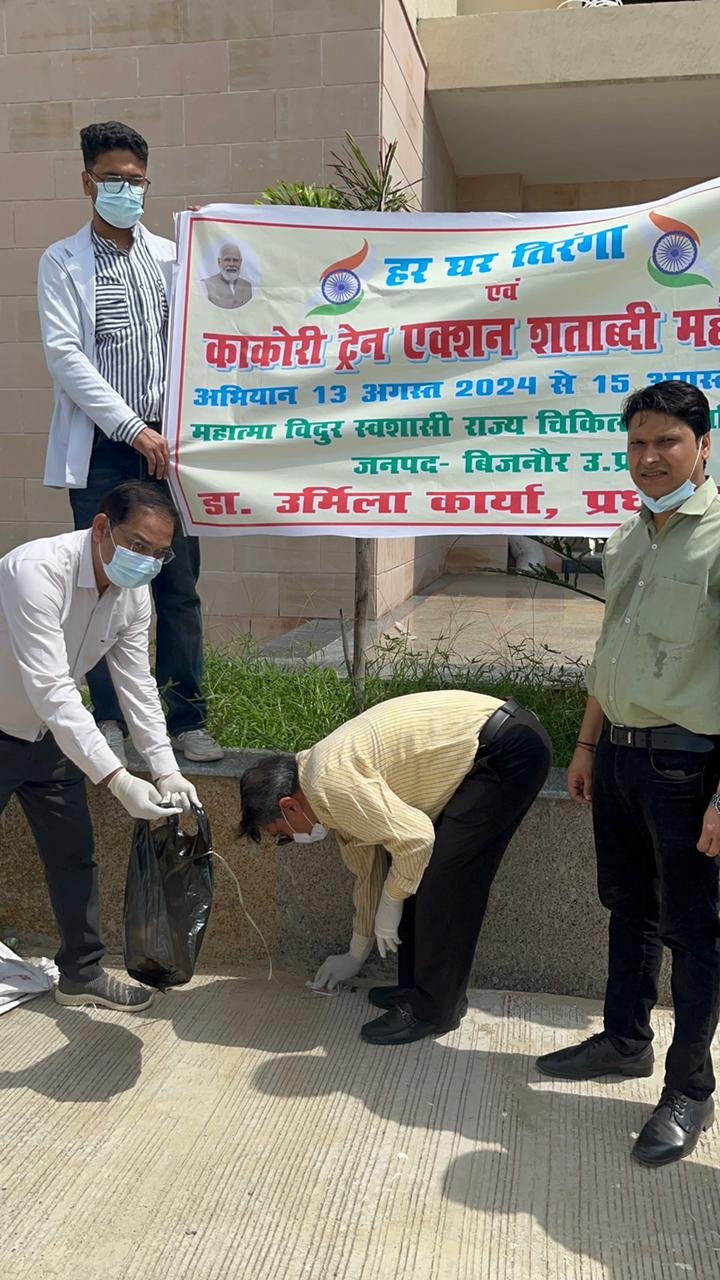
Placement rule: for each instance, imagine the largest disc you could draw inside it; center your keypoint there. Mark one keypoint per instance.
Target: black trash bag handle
(203, 824)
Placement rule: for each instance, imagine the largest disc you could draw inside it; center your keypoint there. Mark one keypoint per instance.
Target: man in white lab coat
(65, 602)
(103, 300)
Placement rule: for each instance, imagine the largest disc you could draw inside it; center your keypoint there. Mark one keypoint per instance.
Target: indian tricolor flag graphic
(674, 252)
(341, 285)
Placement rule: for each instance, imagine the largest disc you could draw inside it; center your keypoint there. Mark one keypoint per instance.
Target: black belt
(668, 737)
(495, 722)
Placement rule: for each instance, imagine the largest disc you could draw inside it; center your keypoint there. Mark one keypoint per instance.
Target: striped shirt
(380, 780)
(131, 322)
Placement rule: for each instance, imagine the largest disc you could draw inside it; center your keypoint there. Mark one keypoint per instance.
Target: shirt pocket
(671, 611)
(112, 313)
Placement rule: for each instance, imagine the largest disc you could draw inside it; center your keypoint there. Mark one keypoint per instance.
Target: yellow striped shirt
(382, 778)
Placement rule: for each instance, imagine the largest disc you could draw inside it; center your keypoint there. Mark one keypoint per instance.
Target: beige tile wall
(233, 95)
(404, 73)
(404, 565)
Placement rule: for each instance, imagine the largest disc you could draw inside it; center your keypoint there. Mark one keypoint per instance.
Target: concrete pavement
(239, 1128)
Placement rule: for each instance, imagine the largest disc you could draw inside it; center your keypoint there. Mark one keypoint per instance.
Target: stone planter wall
(545, 930)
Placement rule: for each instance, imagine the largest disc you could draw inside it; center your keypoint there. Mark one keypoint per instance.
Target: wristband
(589, 746)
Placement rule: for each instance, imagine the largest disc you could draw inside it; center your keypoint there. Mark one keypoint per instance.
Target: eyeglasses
(140, 548)
(112, 185)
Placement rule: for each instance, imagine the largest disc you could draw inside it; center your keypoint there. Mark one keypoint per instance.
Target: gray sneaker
(113, 735)
(198, 745)
(104, 990)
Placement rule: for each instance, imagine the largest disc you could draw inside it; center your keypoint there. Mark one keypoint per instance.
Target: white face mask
(319, 832)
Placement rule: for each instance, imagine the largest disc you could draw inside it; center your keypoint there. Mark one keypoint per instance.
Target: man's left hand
(709, 842)
(387, 922)
(178, 790)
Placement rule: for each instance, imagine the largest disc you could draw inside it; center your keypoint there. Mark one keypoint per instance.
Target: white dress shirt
(54, 627)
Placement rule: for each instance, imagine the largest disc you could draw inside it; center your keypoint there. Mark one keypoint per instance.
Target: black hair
(676, 399)
(96, 139)
(262, 787)
(125, 499)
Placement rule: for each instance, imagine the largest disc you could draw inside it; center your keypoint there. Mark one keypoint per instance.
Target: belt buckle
(621, 735)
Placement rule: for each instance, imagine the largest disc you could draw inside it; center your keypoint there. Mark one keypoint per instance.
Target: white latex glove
(139, 797)
(338, 969)
(387, 922)
(177, 790)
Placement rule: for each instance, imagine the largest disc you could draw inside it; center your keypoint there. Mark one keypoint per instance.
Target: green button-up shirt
(657, 660)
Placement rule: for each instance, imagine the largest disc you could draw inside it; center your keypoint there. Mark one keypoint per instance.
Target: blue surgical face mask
(128, 569)
(670, 501)
(122, 209)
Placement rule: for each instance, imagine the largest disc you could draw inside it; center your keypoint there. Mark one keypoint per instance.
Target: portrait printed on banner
(228, 287)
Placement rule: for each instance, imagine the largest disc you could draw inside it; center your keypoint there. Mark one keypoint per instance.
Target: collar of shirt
(697, 505)
(86, 569)
(109, 246)
(313, 799)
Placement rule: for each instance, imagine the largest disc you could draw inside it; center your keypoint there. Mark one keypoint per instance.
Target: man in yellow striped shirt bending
(439, 780)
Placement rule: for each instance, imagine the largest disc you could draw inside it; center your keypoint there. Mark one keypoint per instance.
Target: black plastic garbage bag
(168, 896)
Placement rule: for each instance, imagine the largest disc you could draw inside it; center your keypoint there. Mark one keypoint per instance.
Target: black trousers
(440, 925)
(51, 791)
(648, 809)
(179, 630)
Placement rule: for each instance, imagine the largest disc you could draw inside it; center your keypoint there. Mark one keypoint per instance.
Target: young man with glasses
(64, 603)
(103, 298)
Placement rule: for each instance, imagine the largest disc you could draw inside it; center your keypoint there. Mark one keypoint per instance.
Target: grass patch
(255, 703)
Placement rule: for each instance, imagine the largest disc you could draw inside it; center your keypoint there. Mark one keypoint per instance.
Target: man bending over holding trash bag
(440, 780)
(66, 602)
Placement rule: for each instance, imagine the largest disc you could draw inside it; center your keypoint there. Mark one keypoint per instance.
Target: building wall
(467, 7)
(510, 193)
(602, 195)
(431, 8)
(233, 95)
(404, 565)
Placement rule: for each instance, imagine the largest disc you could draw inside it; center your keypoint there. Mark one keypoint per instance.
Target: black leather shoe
(387, 997)
(593, 1058)
(400, 1026)
(674, 1128)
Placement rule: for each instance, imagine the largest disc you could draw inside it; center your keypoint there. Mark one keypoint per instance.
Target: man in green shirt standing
(648, 760)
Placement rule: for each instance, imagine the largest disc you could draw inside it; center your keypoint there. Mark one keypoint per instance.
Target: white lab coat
(83, 399)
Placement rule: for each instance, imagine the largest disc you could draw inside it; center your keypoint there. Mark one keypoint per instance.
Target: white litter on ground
(20, 980)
